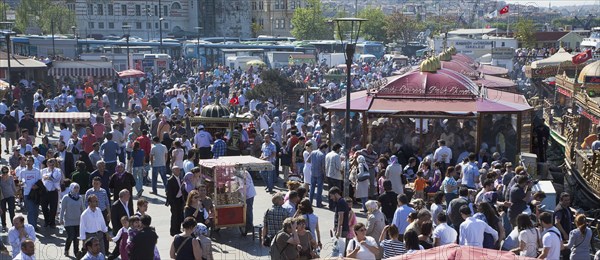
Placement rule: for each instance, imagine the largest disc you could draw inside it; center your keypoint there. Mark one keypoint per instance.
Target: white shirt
(91, 222)
(333, 165)
(65, 135)
(126, 207)
(552, 241)
(54, 178)
(250, 190)
(22, 256)
(443, 153)
(29, 178)
(445, 234)
(15, 241)
(471, 232)
(363, 253)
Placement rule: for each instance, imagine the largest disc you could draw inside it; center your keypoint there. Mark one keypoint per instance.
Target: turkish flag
(504, 10)
(582, 57)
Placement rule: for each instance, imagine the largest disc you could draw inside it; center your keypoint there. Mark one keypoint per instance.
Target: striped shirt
(392, 247)
(370, 158)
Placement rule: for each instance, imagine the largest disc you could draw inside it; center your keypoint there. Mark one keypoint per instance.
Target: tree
(309, 22)
(525, 33)
(400, 27)
(374, 28)
(256, 28)
(38, 14)
(274, 85)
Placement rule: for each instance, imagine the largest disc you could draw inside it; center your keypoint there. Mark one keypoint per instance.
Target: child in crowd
(123, 235)
(420, 184)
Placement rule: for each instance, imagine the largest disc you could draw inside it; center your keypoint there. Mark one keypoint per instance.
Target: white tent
(554, 60)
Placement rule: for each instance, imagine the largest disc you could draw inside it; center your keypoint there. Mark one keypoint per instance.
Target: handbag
(365, 175)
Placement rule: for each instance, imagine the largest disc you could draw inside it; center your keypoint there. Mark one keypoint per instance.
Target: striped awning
(82, 72)
(63, 117)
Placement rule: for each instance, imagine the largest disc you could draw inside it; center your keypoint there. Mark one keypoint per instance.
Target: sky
(545, 3)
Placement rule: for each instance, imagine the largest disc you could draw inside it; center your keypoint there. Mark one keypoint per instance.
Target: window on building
(166, 10)
(282, 5)
(261, 5)
(124, 10)
(148, 25)
(138, 10)
(176, 6)
(291, 25)
(138, 25)
(90, 10)
(100, 25)
(156, 10)
(261, 22)
(147, 10)
(111, 10)
(156, 26)
(253, 5)
(100, 9)
(166, 25)
(91, 25)
(111, 25)
(277, 4)
(71, 6)
(293, 5)
(124, 24)
(282, 23)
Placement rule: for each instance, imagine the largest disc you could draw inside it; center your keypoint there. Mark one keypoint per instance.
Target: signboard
(590, 117)
(565, 92)
(592, 79)
(503, 53)
(475, 44)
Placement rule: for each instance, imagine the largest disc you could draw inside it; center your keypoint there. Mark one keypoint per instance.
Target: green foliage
(525, 33)
(256, 28)
(275, 85)
(400, 27)
(374, 28)
(310, 23)
(40, 13)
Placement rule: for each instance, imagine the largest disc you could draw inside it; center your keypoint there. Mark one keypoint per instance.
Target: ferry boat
(592, 42)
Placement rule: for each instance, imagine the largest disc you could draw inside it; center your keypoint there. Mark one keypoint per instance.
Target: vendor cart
(225, 181)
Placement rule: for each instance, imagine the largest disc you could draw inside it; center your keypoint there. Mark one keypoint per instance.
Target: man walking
(119, 209)
(317, 161)
(202, 141)
(269, 152)
(175, 200)
(401, 215)
(333, 167)
(30, 177)
(158, 160)
(92, 223)
(51, 177)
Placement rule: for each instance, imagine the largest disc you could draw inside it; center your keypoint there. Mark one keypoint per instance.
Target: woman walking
(70, 210)
(184, 246)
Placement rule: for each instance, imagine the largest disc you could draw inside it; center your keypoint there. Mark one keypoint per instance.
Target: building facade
(180, 18)
(274, 17)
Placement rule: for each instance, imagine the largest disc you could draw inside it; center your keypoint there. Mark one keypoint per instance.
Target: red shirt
(99, 129)
(87, 142)
(145, 145)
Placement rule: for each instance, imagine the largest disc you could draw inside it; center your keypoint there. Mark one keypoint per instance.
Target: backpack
(275, 251)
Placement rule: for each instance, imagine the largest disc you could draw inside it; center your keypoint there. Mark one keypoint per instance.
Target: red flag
(504, 10)
(582, 57)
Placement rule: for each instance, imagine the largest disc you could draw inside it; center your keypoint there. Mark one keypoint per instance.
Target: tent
(559, 57)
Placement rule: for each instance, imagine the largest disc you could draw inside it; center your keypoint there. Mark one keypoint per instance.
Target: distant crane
(588, 21)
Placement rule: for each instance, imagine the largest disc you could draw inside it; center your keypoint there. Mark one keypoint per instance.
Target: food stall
(225, 181)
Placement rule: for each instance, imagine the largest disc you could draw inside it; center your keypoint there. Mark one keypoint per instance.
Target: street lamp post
(349, 54)
(7, 33)
(199, 28)
(160, 48)
(126, 31)
(74, 29)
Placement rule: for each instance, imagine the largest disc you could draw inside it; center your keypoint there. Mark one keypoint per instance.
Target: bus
(212, 54)
(368, 47)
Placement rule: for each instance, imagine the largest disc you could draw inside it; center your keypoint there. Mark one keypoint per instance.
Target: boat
(592, 42)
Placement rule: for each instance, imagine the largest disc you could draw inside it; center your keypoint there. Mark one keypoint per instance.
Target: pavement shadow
(229, 244)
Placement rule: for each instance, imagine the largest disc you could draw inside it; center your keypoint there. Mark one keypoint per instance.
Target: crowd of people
(84, 179)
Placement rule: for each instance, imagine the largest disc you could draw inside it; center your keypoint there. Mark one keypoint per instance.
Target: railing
(588, 166)
(555, 123)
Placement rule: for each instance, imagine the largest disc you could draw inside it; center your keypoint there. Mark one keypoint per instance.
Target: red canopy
(460, 67)
(131, 73)
(489, 81)
(454, 251)
(359, 101)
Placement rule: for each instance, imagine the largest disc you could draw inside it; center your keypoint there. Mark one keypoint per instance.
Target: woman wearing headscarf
(201, 234)
(393, 172)
(362, 184)
(70, 210)
(375, 220)
(120, 180)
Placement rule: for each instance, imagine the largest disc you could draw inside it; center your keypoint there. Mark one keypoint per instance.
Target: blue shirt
(268, 150)
(101, 194)
(317, 160)
(109, 151)
(401, 217)
(219, 148)
(138, 158)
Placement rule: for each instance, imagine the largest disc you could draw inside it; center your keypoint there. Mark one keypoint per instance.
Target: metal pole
(128, 65)
(350, 49)
(160, 19)
(52, 30)
(7, 36)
